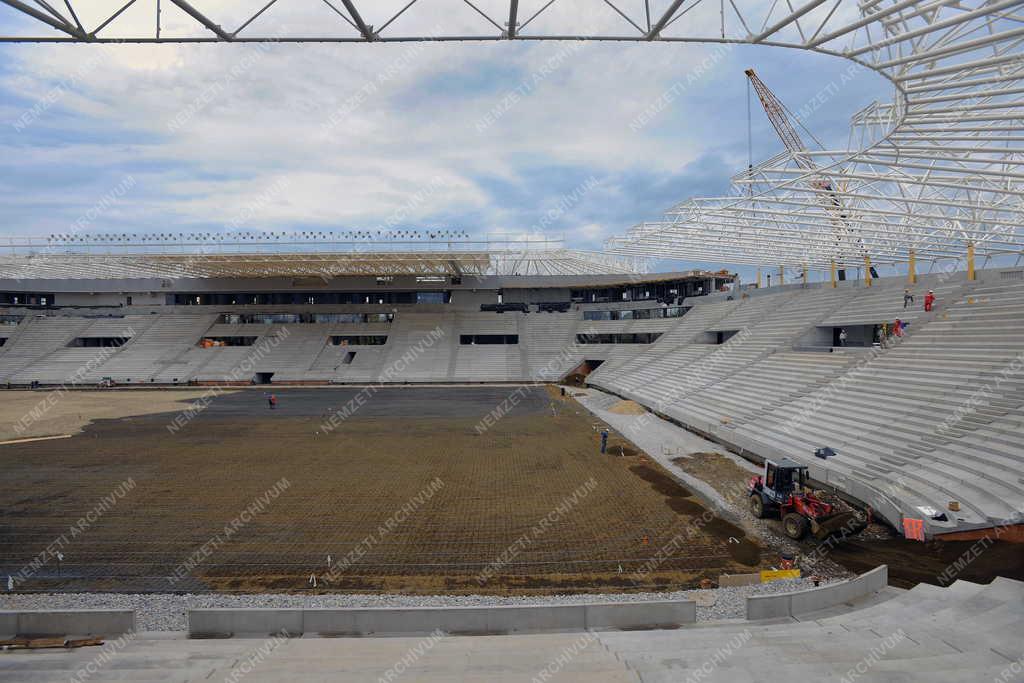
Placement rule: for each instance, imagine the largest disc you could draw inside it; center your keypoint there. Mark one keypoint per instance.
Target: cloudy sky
(486, 138)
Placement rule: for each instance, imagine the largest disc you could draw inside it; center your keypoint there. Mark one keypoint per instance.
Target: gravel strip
(166, 611)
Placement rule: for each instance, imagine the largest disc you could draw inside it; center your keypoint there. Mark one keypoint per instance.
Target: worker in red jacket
(929, 300)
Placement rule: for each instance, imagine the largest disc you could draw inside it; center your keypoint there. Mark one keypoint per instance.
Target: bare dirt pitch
(411, 492)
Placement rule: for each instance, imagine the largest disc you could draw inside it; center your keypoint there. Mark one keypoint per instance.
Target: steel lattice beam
(937, 168)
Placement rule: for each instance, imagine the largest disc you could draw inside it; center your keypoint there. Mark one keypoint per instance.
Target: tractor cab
(782, 479)
(782, 492)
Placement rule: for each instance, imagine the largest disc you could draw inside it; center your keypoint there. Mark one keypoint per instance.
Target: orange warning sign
(913, 529)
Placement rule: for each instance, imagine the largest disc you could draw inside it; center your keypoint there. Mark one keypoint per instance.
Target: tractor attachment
(781, 491)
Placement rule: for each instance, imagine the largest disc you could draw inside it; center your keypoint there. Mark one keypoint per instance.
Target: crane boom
(831, 202)
(780, 121)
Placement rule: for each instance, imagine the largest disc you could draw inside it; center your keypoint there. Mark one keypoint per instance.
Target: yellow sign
(778, 574)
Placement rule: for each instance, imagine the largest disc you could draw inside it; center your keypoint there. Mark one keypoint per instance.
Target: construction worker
(272, 402)
(842, 337)
(929, 301)
(604, 440)
(908, 298)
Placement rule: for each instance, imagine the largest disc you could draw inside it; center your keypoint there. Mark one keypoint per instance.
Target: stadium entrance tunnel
(857, 336)
(716, 336)
(263, 378)
(577, 377)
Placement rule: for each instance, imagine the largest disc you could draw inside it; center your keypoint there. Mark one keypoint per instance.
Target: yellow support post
(806, 275)
(759, 278)
(782, 275)
(867, 270)
(834, 285)
(912, 268)
(970, 261)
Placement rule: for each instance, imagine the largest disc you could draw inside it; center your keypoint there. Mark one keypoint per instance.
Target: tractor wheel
(795, 526)
(757, 506)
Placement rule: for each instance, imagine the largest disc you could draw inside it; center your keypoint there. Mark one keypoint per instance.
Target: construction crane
(824, 190)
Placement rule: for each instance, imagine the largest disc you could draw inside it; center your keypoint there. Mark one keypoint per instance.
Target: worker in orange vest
(929, 300)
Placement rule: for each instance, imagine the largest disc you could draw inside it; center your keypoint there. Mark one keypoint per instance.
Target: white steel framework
(928, 174)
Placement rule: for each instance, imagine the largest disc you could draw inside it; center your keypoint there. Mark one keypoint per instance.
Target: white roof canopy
(937, 169)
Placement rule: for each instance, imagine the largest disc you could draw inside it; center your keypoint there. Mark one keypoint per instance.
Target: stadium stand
(927, 421)
(35, 339)
(65, 363)
(926, 427)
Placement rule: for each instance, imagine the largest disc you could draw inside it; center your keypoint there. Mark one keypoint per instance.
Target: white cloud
(356, 129)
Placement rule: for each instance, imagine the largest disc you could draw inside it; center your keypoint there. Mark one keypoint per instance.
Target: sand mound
(627, 408)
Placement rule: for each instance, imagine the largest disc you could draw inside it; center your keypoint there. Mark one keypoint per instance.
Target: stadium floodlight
(935, 174)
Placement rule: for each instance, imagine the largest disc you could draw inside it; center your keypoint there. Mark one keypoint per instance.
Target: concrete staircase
(934, 418)
(34, 339)
(482, 363)
(162, 353)
(965, 632)
(420, 348)
(77, 365)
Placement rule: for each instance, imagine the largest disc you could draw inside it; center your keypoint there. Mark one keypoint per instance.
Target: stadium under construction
(267, 446)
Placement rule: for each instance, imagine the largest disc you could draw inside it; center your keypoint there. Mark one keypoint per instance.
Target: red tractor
(782, 490)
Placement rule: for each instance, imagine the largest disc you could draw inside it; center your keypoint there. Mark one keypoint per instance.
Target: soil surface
(419, 490)
(910, 562)
(937, 562)
(49, 412)
(627, 408)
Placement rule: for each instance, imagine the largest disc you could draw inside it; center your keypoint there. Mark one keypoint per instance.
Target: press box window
(99, 342)
(481, 339)
(637, 338)
(359, 340)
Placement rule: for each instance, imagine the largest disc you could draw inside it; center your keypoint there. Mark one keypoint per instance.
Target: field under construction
(413, 489)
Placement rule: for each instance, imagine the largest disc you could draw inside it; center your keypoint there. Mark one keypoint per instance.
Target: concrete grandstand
(759, 370)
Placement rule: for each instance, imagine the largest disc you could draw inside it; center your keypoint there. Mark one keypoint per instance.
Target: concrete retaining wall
(67, 622)
(730, 580)
(803, 602)
(450, 620)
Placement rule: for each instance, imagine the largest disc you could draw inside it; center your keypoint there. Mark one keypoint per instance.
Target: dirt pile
(627, 408)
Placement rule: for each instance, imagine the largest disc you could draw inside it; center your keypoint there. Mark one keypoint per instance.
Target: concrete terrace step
(963, 632)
